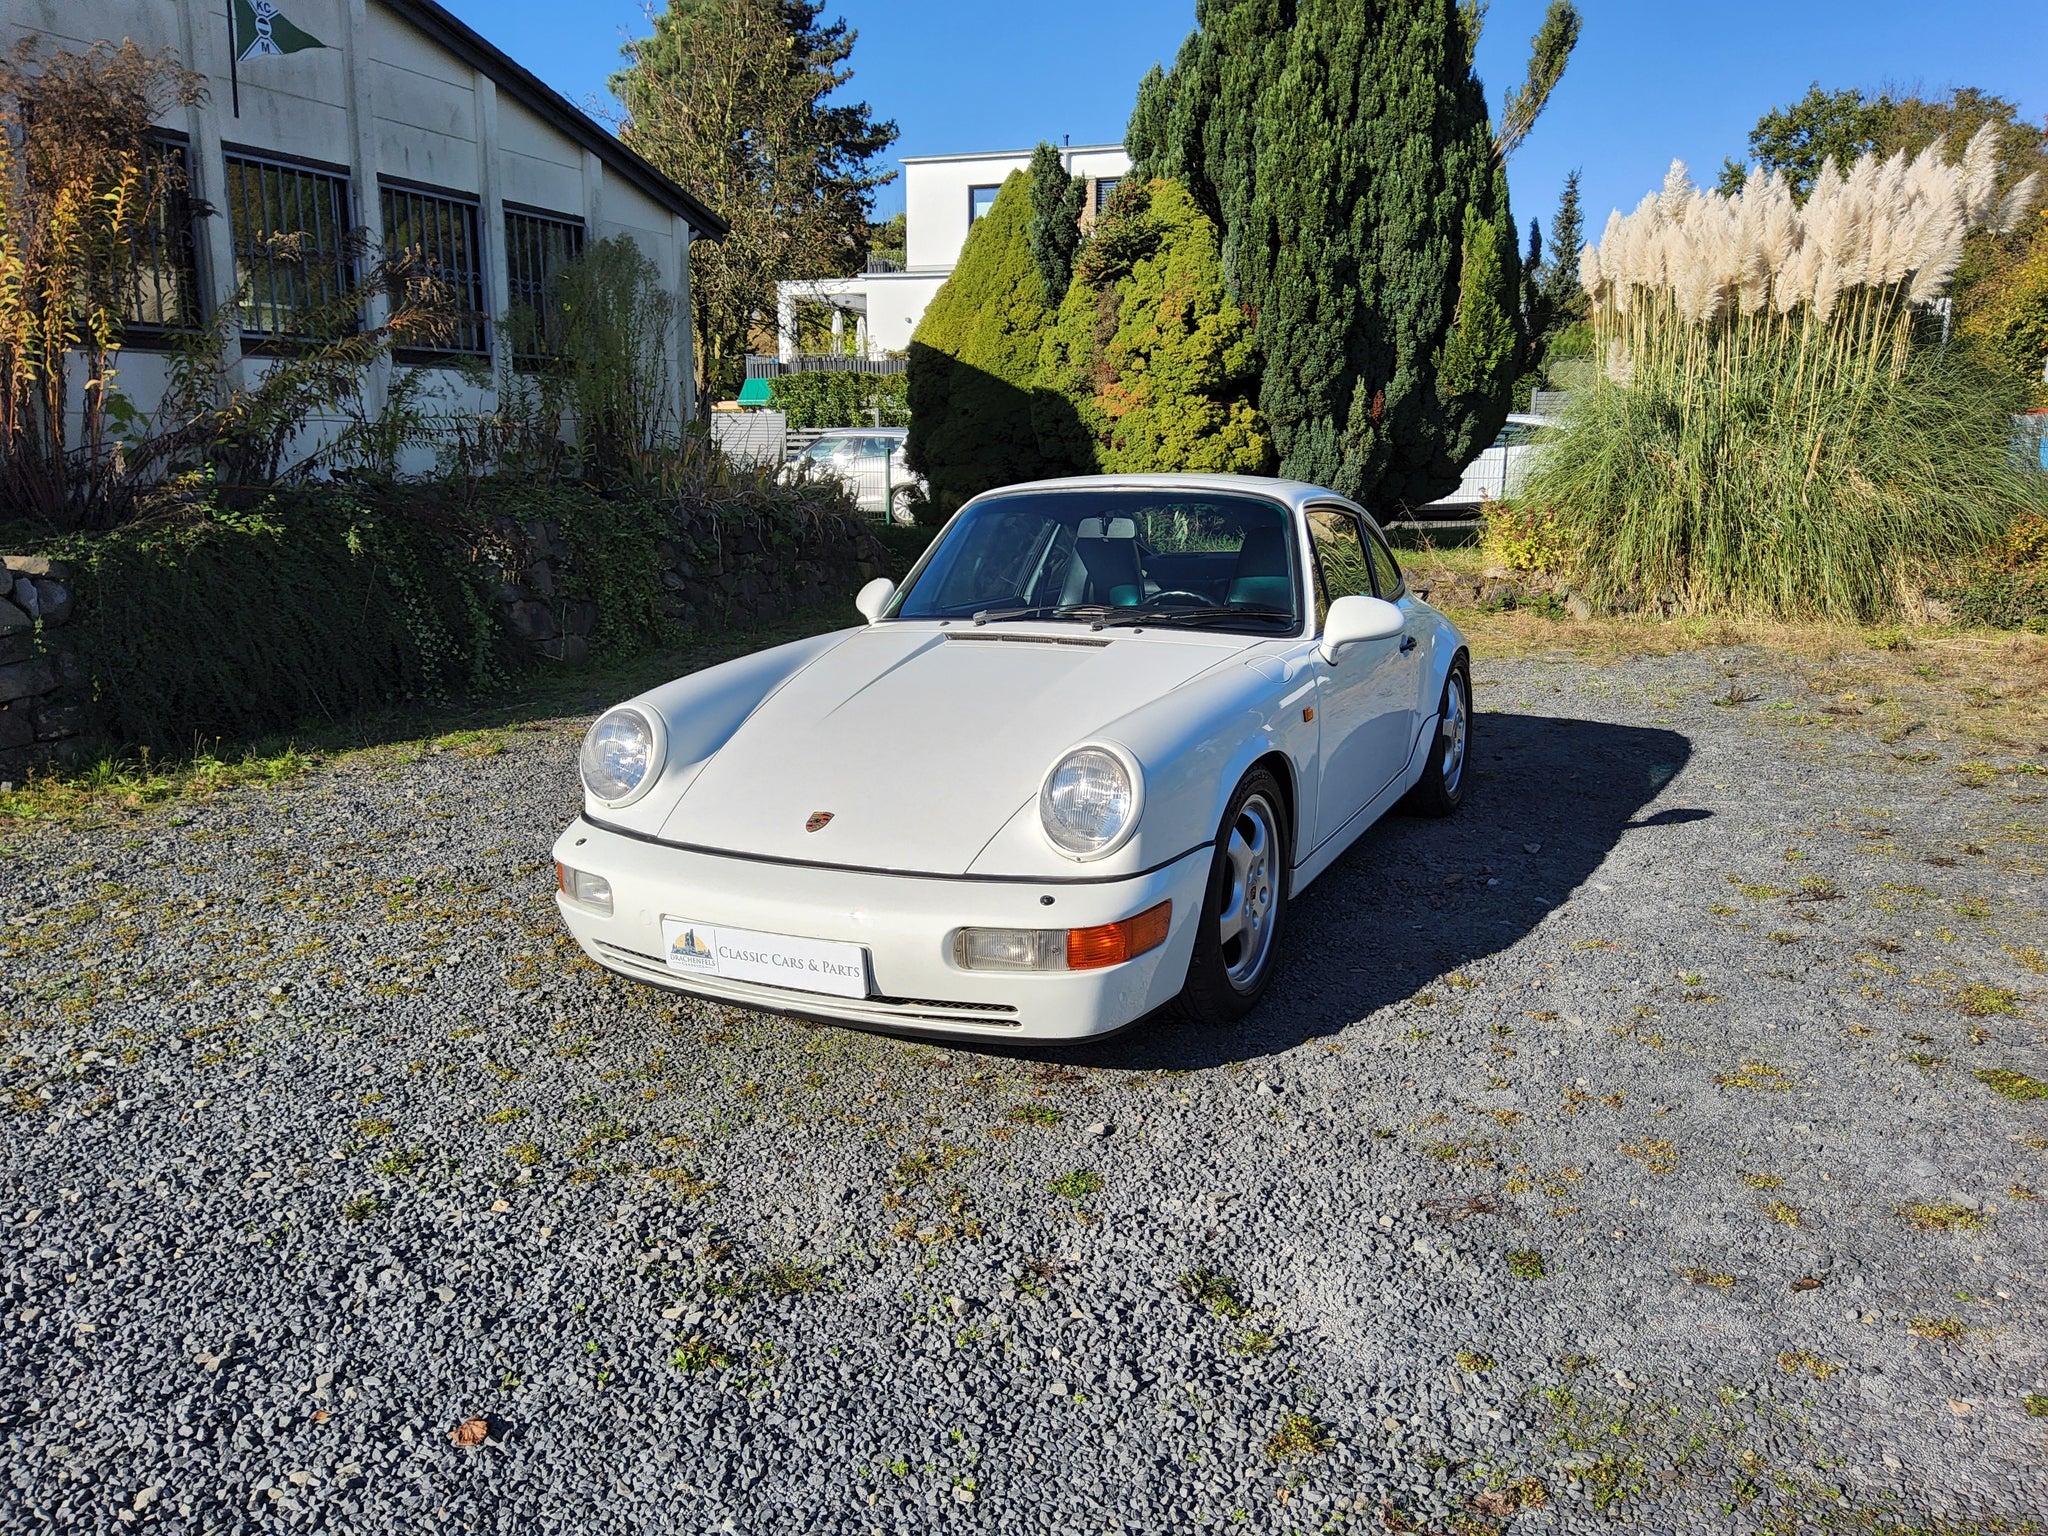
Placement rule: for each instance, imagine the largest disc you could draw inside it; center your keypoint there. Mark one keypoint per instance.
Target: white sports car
(1071, 772)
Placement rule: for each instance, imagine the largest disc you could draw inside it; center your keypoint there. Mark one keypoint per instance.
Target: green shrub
(2007, 586)
(1149, 365)
(311, 605)
(1523, 537)
(974, 363)
(815, 400)
(324, 603)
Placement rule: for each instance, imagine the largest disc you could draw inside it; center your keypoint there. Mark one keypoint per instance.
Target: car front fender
(700, 713)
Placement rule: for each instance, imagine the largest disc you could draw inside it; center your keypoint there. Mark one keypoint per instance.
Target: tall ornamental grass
(1778, 428)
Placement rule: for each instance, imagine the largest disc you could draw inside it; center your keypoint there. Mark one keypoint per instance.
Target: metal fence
(759, 367)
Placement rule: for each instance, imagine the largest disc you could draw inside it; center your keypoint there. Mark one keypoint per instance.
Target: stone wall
(45, 708)
(714, 571)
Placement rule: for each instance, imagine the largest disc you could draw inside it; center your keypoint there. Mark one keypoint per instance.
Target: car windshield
(1127, 557)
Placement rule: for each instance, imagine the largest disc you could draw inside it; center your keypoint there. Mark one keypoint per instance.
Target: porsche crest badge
(819, 821)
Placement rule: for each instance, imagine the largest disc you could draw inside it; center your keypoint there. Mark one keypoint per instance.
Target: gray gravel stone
(324, 1141)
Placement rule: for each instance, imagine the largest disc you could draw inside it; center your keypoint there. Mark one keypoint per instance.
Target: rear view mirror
(1355, 620)
(874, 597)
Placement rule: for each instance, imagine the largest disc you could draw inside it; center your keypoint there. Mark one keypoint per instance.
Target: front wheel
(1244, 909)
(1441, 789)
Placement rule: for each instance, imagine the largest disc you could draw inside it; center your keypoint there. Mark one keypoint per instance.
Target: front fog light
(1011, 949)
(582, 887)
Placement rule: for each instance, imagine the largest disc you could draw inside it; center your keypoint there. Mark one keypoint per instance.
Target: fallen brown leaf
(471, 1432)
(1808, 1283)
(320, 1415)
(1495, 1504)
(1958, 1408)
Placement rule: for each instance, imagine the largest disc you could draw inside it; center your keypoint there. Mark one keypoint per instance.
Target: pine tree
(1057, 200)
(973, 375)
(1563, 295)
(1150, 366)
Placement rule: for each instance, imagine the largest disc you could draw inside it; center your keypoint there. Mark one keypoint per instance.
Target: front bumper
(905, 922)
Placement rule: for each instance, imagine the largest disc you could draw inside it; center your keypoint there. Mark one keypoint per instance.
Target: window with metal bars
(537, 246)
(292, 259)
(163, 284)
(437, 232)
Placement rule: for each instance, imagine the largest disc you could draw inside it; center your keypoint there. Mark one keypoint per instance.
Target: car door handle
(1407, 644)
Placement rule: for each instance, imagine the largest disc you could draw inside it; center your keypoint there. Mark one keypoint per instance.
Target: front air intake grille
(905, 1010)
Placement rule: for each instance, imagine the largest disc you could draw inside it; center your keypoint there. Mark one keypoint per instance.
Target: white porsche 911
(1071, 772)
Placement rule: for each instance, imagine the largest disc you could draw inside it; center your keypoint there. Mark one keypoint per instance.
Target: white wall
(936, 195)
(896, 302)
(379, 100)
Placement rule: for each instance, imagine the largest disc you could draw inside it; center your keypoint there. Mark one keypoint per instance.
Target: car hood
(921, 744)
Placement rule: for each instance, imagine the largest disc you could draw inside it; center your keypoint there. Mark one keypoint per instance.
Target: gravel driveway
(1613, 1156)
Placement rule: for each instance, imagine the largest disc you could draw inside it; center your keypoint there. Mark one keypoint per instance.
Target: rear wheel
(1245, 906)
(1441, 789)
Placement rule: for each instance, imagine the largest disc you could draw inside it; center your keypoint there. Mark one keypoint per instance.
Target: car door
(1406, 674)
(1364, 697)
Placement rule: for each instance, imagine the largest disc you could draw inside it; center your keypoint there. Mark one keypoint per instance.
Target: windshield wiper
(1042, 611)
(1130, 617)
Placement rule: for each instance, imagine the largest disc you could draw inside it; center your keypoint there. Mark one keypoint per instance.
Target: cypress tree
(1057, 200)
(1347, 153)
(1375, 175)
(973, 373)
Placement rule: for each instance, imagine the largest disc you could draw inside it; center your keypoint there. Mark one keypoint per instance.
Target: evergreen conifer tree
(1057, 199)
(1562, 292)
(1347, 153)
(973, 374)
(1150, 365)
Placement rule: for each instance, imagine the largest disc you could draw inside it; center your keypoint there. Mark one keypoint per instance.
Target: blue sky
(1651, 79)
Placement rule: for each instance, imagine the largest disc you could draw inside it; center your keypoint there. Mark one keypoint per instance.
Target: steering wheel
(1192, 597)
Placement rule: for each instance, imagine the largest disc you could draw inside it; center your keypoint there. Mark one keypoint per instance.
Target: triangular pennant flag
(261, 29)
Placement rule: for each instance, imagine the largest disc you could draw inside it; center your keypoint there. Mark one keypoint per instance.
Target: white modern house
(943, 196)
(332, 125)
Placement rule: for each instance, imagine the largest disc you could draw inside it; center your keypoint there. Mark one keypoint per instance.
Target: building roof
(1014, 154)
(469, 45)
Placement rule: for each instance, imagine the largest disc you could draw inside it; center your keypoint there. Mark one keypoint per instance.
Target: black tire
(1441, 789)
(1221, 987)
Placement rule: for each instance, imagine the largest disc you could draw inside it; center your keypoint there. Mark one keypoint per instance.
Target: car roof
(1296, 493)
(864, 432)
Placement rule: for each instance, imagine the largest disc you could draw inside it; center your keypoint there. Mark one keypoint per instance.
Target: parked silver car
(870, 462)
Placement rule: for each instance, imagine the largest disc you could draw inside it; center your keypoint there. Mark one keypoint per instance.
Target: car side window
(1386, 574)
(1342, 567)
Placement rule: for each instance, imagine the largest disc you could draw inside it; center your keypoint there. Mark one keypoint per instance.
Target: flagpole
(234, 65)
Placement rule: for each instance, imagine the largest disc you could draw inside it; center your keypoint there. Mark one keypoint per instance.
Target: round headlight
(620, 756)
(1089, 803)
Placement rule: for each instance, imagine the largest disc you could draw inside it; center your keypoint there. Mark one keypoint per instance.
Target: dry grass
(1922, 684)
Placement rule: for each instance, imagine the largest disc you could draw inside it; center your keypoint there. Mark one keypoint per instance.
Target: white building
(389, 120)
(943, 196)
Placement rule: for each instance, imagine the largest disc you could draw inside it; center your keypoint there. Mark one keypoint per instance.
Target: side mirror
(874, 597)
(1354, 620)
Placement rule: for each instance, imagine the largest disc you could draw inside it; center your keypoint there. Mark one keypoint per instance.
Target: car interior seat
(1262, 579)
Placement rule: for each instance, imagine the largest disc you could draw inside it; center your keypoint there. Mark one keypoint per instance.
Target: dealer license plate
(770, 959)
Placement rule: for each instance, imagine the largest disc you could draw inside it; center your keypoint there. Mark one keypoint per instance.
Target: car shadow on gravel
(1414, 900)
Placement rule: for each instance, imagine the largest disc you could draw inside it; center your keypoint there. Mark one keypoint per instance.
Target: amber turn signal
(1090, 949)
